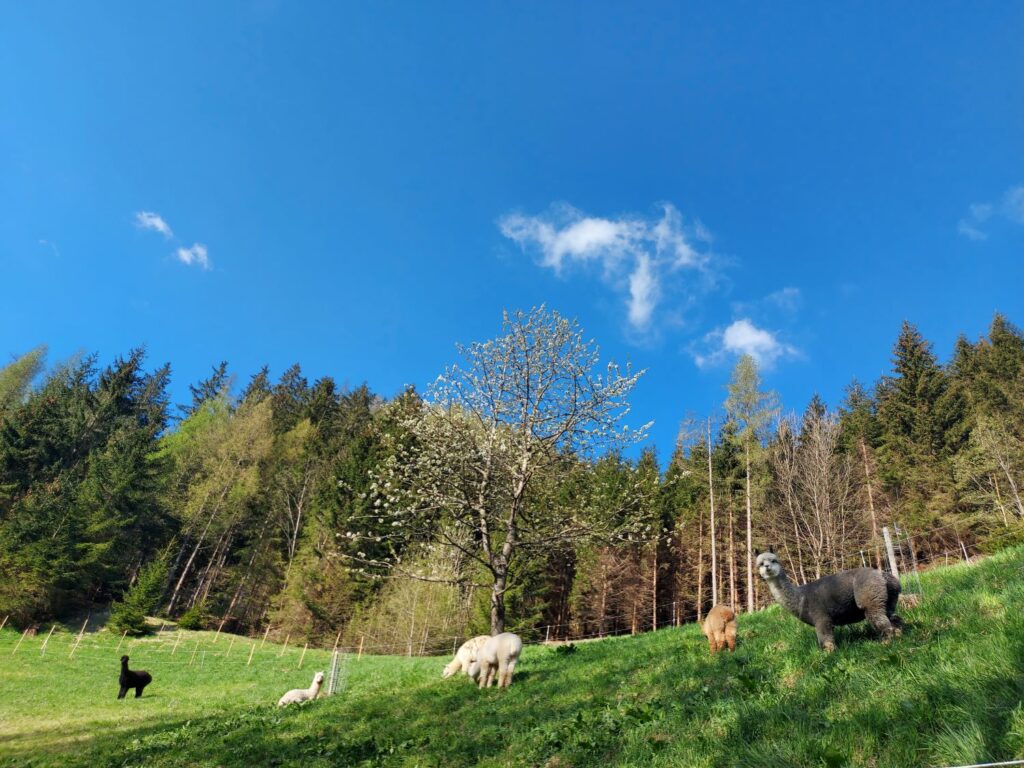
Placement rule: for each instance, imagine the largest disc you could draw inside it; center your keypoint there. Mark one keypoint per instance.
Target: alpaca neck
(314, 689)
(786, 593)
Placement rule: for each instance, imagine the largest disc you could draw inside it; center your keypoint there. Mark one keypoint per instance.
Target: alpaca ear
(771, 548)
(757, 552)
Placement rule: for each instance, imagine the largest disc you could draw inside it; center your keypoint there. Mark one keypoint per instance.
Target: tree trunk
(700, 567)
(498, 604)
(714, 553)
(750, 545)
(654, 589)
(732, 563)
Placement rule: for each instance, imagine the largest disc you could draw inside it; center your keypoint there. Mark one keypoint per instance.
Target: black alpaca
(129, 679)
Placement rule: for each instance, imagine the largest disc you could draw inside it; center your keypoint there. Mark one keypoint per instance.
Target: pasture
(948, 692)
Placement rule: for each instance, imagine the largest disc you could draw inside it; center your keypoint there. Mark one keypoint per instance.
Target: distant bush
(129, 615)
(193, 618)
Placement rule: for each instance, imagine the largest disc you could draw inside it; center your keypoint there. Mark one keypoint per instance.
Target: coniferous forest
(510, 494)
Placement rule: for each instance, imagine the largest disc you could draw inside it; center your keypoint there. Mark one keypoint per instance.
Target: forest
(510, 494)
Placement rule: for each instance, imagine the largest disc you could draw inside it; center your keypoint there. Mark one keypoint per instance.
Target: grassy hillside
(949, 692)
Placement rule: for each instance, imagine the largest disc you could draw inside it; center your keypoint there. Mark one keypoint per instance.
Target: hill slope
(949, 692)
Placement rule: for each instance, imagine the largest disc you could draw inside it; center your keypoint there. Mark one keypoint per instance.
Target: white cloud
(1010, 207)
(742, 337)
(637, 255)
(195, 255)
(643, 293)
(154, 222)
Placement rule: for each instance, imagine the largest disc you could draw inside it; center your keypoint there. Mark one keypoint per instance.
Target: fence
(189, 649)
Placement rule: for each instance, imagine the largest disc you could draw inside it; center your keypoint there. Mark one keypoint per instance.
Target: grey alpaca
(842, 598)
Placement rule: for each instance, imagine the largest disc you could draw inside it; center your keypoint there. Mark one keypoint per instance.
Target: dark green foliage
(80, 492)
(194, 618)
(129, 614)
(211, 388)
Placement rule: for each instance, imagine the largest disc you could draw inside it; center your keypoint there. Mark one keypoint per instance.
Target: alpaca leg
(485, 672)
(881, 623)
(826, 641)
(138, 690)
(124, 690)
(897, 624)
(508, 675)
(730, 636)
(502, 673)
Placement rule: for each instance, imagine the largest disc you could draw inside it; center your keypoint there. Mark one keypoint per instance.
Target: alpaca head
(768, 565)
(318, 678)
(124, 659)
(451, 668)
(474, 671)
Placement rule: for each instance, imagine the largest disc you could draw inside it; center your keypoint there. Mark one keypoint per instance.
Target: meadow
(949, 692)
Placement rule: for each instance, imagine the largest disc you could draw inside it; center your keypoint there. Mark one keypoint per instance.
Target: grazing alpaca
(842, 598)
(464, 657)
(720, 628)
(499, 654)
(299, 695)
(138, 679)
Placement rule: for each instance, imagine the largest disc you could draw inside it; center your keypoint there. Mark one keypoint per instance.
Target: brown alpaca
(720, 628)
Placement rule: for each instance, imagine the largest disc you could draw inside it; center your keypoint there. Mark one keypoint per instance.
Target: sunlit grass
(948, 692)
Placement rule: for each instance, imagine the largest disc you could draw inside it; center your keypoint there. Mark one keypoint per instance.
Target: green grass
(948, 692)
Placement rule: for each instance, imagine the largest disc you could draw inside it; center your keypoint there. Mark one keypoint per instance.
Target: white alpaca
(499, 654)
(299, 695)
(464, 657)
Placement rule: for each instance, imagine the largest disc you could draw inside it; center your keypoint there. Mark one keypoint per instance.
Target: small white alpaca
(299, 695)
(464, 657)
(499, 654)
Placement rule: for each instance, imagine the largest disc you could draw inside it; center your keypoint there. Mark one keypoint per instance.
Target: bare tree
(814, 480)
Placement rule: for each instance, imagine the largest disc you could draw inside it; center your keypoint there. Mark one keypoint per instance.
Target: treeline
(318, 511)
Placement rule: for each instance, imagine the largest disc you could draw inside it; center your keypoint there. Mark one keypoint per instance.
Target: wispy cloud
(1010, 207)
(154, 222)
(638, 257)
(781, 303)
(742, 337)
(196, 255)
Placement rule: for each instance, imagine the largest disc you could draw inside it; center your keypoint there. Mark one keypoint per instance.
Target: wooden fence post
(360, 655)
(123, 635)
(194, 652)
(285, 646)
(42, 651)
(304, 648)
(264, 640)
(18, 645)
(80, 633)
(890, 552)
(176, 641)
(4, 622)
(334, 674)
(251, 652)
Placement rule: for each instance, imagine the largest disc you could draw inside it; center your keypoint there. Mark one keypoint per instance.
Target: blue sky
(360, 187)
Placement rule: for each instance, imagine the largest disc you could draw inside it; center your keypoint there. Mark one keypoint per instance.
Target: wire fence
(172, 647)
